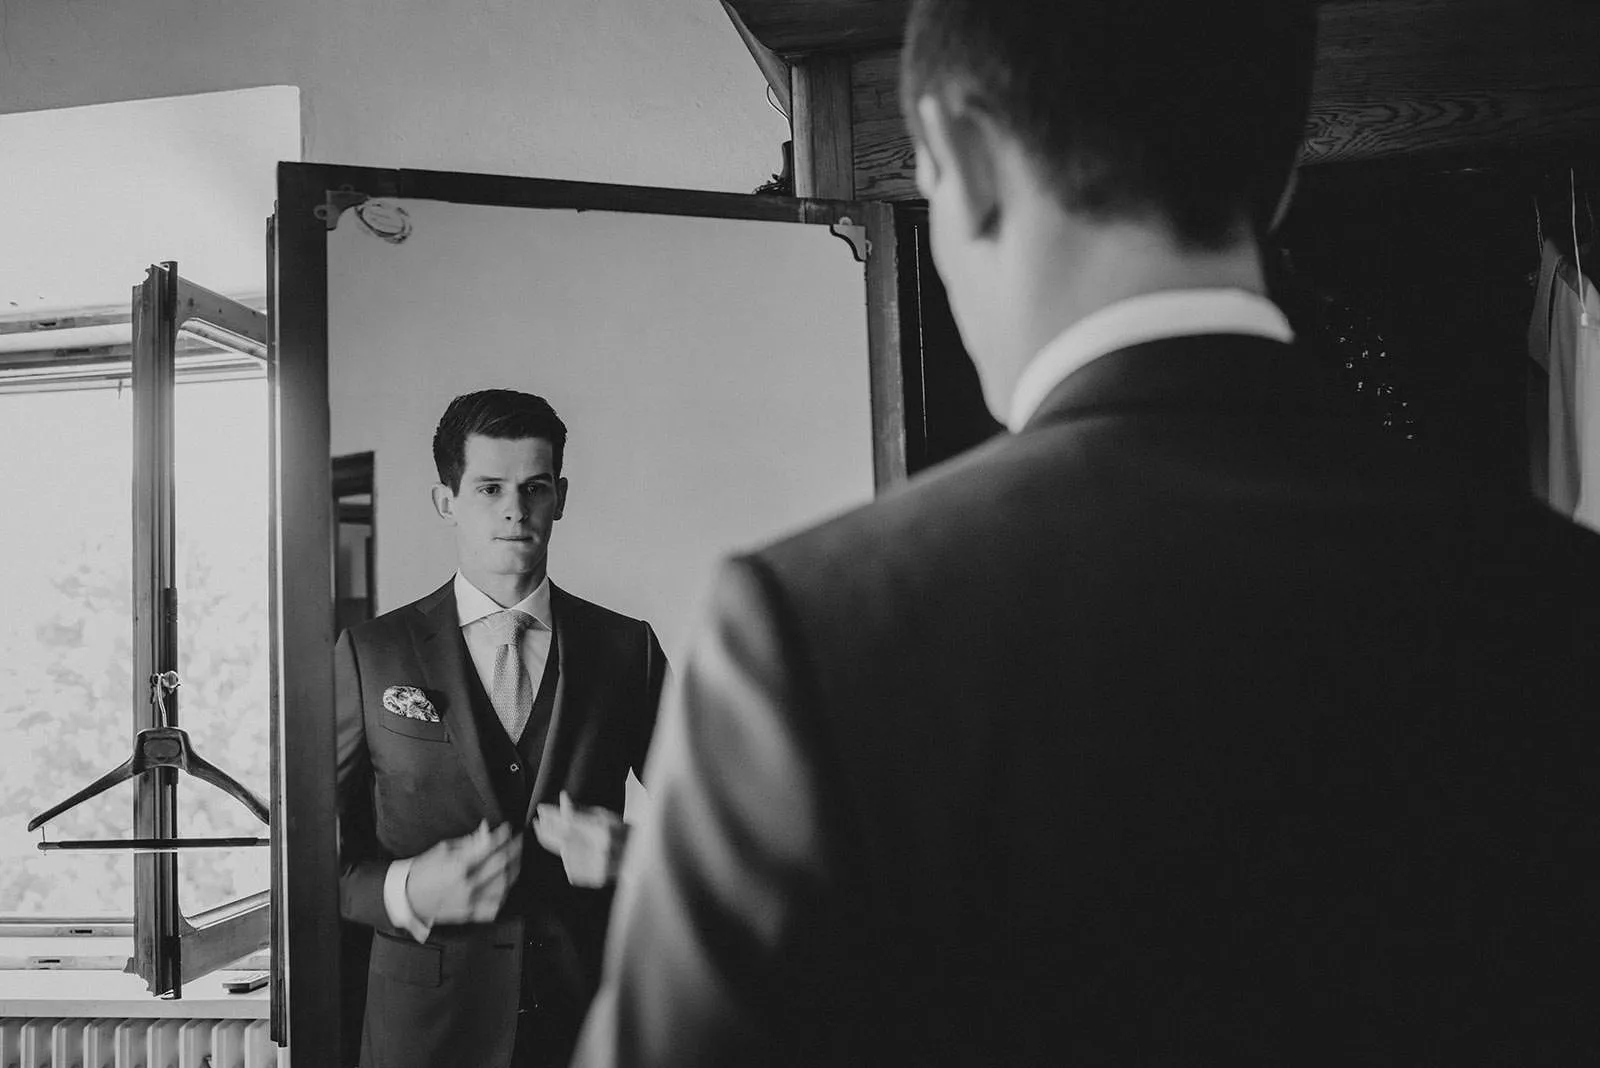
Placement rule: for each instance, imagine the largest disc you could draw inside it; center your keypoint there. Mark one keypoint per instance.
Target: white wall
(656, 92)
(712, 374)
(93, 195)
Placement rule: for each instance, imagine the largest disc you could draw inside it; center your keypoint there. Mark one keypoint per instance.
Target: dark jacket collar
(1218, 373)
(440, 607)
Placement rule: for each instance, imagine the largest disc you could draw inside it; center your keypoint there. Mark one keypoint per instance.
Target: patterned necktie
(511, 690)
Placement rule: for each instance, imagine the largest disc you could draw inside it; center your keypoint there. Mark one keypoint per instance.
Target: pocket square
(410, 702)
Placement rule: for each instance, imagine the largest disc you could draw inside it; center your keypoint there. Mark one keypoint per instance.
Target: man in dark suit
(1189, 723)
(497, 706)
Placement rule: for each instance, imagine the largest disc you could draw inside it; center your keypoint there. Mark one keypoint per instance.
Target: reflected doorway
(355, 600)
(354, 571)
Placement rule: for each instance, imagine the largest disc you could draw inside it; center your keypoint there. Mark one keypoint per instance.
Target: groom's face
(508, 503)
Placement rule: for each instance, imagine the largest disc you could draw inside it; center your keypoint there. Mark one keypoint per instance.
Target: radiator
(137, 1043)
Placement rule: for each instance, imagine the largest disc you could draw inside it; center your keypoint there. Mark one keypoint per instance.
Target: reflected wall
(712, 374)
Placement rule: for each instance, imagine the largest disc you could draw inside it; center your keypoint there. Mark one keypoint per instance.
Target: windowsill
(27, 952)
(74, 993)
(107, 953)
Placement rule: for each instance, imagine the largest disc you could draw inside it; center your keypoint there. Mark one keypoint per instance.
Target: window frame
(169, 947)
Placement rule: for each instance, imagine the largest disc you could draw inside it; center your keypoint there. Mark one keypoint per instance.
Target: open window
(201, 625)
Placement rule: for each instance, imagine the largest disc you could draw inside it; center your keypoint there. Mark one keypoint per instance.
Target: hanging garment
(1569, 353)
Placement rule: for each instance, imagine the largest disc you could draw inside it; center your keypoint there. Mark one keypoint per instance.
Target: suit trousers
(548, 1017)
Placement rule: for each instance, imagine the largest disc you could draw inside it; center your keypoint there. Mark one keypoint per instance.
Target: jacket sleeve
(362, 865)
(656, 673)
(720, 944)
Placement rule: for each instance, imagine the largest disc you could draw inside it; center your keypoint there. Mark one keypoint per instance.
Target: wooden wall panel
(1393, 77)
(886, 165)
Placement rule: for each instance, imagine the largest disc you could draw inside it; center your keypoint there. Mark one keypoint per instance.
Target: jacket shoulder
(950, 503)
(393, 623)
(593, 616)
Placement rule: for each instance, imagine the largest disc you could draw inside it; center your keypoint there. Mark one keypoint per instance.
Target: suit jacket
(406, 784)
(1193, 724)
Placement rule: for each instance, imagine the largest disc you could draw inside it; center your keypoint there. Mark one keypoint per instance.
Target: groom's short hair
(493, 413)
(1189, 112)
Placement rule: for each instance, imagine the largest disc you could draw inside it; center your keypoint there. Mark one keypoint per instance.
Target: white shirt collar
(1136, 320)
(472, 604)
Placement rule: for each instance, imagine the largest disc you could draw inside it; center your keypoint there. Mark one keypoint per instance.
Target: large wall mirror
(725, 366)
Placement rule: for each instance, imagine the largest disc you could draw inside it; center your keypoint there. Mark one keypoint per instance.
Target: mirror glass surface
(712, 374)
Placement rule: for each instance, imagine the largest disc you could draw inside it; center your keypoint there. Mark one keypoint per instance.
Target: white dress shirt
(473, 606)
(1136, 320)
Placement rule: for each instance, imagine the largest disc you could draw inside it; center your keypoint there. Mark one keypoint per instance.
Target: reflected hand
(464, 880)
(589, 840)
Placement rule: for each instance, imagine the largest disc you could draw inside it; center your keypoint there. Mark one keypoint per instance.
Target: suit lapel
(447, 669)
(564, 721)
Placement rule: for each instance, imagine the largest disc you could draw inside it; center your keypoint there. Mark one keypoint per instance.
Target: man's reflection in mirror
(485, 737)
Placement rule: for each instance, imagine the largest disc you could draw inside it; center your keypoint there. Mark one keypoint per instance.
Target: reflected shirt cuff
(398, 906)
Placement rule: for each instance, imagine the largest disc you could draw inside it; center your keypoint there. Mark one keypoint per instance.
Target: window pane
(65, 644)
(221, 500)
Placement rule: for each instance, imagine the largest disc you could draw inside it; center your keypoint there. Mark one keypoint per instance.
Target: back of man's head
(1184, 113)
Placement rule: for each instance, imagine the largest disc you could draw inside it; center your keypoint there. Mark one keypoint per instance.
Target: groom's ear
(444, 502)
(959, 162)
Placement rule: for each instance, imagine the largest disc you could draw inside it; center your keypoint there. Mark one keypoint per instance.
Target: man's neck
(506, 590)
(1077, 273)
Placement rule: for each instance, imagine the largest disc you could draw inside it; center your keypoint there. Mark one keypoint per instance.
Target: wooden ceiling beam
(801, 27)
(1393, 78)
(1396, 28)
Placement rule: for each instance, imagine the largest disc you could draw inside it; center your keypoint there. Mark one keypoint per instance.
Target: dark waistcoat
(514, 768)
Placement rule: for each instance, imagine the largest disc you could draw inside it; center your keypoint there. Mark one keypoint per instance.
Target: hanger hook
(161, 684)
